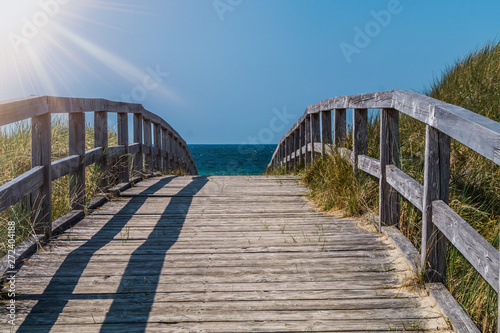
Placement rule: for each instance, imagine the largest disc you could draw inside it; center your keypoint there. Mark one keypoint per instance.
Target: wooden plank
(101, 141)
(41, 156)
(307, 142)
(138, 162)
(77, 105)
(22, 108)
(359, 135)
(405, 185)
(16, 189)
(77, 147)
(116, 151)
(452, 310)
(93, 156)
(340, 127)
(123, 168)
(157, 143)
(148, 157)
(326, 130)
(315, 133)
(64, 166)
(478, 252)
(164, 158)
(369, 165)
(482, 135)
(436, 183)
(134, 148)
(389, 154)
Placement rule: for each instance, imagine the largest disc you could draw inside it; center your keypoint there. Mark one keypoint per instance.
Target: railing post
(302, 138)
(359, 135)
(176, 154)
(293, 151)
(123, 169)
(101, 140)
(315, 133)
(436, 186)
(170, 149)
(77, 147)
(138, 158)
(308, 140)
(148, 163)
(157, 139)
(287, 153)
(164, 154)
(340, 127)
(326, 130)
(298, 155)
(389, 154)
(41, 156)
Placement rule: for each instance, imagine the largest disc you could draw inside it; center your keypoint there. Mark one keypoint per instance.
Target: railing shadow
(63, 283)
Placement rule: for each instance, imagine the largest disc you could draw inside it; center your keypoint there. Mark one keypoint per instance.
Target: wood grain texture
(123, 165)
(315, 133)
(101, 141)
(77, 147)
(16, 189)
(22, 108)
(148, 142)
(229, 254)
(405, 185)
(359, 134)
(480, 254)
(340, 127)
(138, 161)
(389, 154)
(452, 309)
(436, 183)
(64, 166)
(369, 165)
(307, 142)
(41, 156)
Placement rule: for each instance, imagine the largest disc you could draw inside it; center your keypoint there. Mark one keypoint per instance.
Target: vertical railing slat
(77, 147)
(138, 158)
(123, 169)
(307, 142)
(41, 156)
(436, 187)
(148, 163)
(359, 135)
(101, 140)
(326, 130)
(315, 133)
(339, 124)
(157, 143)
(389, 154)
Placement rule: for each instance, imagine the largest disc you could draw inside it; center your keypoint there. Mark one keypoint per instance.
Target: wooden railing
(168, 152)
(312, 134)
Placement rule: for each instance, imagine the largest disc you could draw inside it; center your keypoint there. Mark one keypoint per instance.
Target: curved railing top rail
(482, 134)
(24, 108)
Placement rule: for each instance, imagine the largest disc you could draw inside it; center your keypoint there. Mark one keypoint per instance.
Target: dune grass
(472, 83)
(15, 159)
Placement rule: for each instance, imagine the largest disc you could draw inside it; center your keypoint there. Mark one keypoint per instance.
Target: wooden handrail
(169, 152)
(443, 121)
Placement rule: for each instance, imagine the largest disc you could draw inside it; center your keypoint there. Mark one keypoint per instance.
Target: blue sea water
(231, 159)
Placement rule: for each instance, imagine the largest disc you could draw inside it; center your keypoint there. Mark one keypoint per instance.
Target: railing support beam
(77, 147)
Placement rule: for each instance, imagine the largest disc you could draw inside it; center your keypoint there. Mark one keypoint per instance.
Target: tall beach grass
(474, 84)
(15, 159)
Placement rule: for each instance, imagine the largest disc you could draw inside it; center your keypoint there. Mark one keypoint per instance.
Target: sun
(41, 41)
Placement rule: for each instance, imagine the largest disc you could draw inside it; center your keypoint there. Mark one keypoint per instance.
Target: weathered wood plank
(369, 165)
(23, 108)
(77, 148)
(64, 166)
(138, 162)
(389, 154)
(340, 127)
(480, 254)
(16, 189)
(41, 156)
(436, 183)
(101, 141)
(405, 185)
(123, 165)
(359, 135)
(93, 156)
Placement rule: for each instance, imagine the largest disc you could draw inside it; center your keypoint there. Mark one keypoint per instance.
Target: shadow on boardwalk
(62, 285)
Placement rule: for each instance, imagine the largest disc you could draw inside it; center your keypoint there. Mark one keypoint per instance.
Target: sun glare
(40, 42)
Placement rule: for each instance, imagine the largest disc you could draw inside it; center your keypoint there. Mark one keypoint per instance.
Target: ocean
(232, 159)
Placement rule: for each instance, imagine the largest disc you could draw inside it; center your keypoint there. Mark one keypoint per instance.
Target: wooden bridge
(237, 253)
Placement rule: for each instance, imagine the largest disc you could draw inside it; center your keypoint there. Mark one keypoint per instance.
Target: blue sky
(233, 71)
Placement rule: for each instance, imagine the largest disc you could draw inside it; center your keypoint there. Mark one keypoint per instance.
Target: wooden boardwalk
(221, 254)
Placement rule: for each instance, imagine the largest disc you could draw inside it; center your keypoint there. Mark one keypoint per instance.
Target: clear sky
(233, 71)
